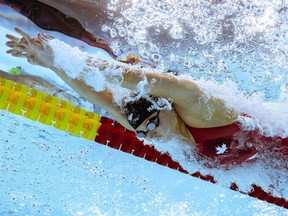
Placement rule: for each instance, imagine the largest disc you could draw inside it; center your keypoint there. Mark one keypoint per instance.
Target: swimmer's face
(160, 124)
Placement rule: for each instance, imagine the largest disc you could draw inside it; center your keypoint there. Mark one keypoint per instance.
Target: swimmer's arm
(103, 99)
(37, 51)
(201, 110)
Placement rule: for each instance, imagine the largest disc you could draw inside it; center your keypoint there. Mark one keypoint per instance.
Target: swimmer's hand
(36, 50)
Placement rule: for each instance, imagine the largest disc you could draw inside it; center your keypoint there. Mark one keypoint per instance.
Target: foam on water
(269, 116)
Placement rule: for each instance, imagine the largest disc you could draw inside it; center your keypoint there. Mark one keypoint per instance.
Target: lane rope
(38, 106)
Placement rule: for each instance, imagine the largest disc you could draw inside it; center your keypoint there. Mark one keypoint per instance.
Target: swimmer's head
(138, 108)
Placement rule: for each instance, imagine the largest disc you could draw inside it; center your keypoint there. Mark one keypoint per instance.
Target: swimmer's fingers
(16, 46)
(14, 41)
(11, 51)
(32, 61)
(22, 55)
(12, 38)
(19, 48)
(24, 34)
(17, 53)
(44, 39)
(11, 44)
(23, 41)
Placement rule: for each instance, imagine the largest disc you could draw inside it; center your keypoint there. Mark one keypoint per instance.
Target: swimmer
(190, 104)
(145, 114)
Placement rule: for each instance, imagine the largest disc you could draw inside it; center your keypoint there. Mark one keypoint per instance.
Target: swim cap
(138, 110)
(138, 107)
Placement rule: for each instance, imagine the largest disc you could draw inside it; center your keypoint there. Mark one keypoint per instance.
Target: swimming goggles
(152, 124)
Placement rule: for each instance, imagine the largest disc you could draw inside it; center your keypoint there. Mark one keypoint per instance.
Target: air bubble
(141, 34)
(113, 33)
(156, 57)
(131, 40)
(203, 64)
(268, 74)
(188, 64)
(122, 32)
(284, 87)
(201, 40)
(152, 48)
(176, 32)
(116, 44)
(213, 72)
(144, 53)
(166, 25)
(117, 47)
(186, 35)
(192, 50)
(154, 32)
(105, 28)
(165, 49)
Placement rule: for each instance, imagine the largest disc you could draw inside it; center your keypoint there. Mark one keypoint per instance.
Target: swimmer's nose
(153, 135)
